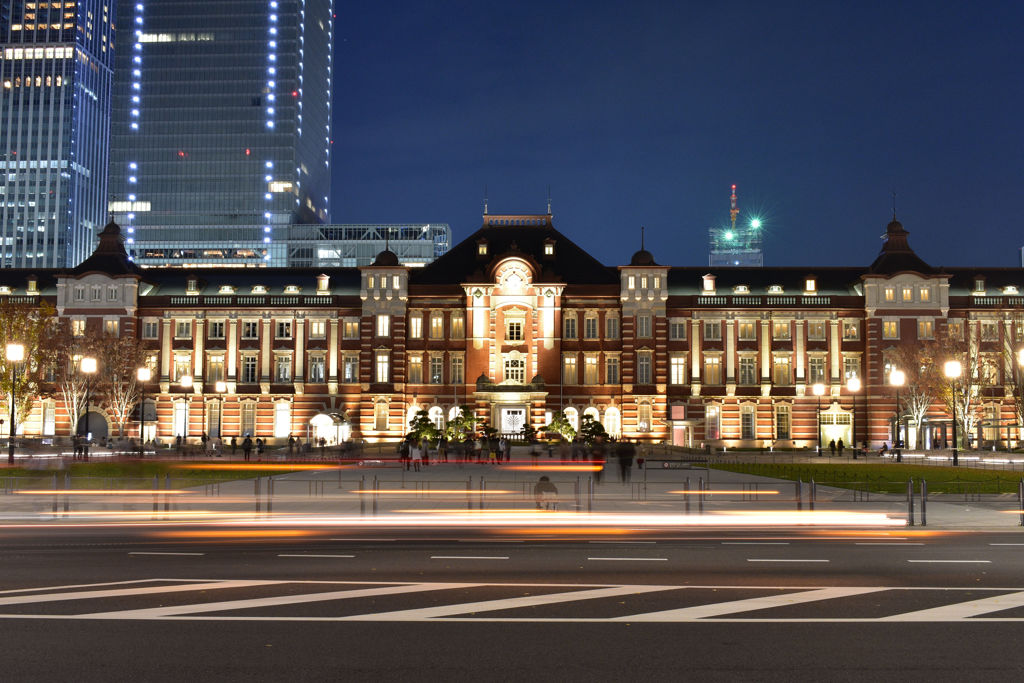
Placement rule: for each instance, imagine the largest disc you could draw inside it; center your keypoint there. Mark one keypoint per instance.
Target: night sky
(644, 113)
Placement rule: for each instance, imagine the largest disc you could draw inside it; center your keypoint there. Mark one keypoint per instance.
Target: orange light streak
(554, 468)
(724, 492)
(234, 533)
(427, 492)
(249, 467)
(97, 492)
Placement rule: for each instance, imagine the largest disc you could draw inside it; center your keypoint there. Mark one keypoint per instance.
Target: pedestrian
(259, 447)
(625, 452)
(234, 445)
(202, 440)
(832, 447)
(545, 494)
(404, 453)
(247, 448)
(291, 444)
(177, 443)
(839, 447)
(416, 451)
(507, 449)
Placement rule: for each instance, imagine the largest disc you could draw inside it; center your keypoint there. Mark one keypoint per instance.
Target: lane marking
(951, 561)
(1006, 543)
(469, 557)
(83, 595)
(756, 559)
(426, 613)
(888, 543)
(628, 559)
(755, 543)
(145, 552)
(963, 610)
(747, 605)
(624, 542)
(90, 585)
(309, 555)
(490, 540)
(175, 610)
(375, 540)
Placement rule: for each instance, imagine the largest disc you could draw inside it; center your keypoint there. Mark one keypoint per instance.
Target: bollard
(362, 496)
(910, 502)
(1020, 500)
(483, 487)
(686, 494)
(590, 494)
(700, 495)
(799, 494)
(814, 492)
(376, 494)
(924, 503)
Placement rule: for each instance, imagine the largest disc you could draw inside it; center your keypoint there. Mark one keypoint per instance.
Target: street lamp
(144, 374)
(953, 369)
(853, 386)
(897, 378)
(15, 354)
(88, 366)
(819, 390)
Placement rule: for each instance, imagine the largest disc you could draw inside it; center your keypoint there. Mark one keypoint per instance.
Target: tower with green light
(737, 244)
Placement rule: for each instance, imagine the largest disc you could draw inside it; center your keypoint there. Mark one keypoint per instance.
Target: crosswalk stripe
(748, 605)
(85, 585)
(427, 613)
(121, 592)
(962, 610)
(175, 610)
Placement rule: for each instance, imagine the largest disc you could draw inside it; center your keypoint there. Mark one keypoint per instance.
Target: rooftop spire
(549, 200)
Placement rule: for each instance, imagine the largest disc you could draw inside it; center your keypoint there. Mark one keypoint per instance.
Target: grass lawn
(138, 474)
(885, 478)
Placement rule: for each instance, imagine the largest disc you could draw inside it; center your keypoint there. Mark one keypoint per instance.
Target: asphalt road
(168, 602)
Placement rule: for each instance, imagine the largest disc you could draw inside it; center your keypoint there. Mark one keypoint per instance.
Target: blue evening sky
(643, 113)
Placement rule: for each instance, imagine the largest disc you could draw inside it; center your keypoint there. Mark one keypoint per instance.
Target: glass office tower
(221, 127)
(55, 72)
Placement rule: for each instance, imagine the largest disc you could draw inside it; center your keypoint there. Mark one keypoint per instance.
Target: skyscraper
(221, 126)
(55, 68)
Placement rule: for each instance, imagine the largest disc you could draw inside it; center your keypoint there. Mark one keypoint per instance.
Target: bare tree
(71, 382)
(922, 385)
(1014, 380)
(33, 326)
(120, 358)
(961, 395)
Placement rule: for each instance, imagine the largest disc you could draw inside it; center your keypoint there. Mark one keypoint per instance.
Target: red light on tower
(247, 151)
(295, 93)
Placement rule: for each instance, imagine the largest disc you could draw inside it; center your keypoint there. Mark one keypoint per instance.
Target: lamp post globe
(819, 390)
(953, 369)
(853, 386)
(15, 353)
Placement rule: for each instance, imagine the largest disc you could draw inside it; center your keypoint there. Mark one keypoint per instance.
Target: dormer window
(810, 285)
(33, 285)
(481, 248)
(259, 289)
(741, 289)
(708, 284)
(775, 289)
(323, 283)
(227, 289)
(979, 285)
(292, 289)
(1008, 289)
(192, 286)
(7, 290)
(549, 248)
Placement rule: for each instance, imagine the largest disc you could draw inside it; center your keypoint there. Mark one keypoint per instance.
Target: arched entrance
(94, 423)
(836, 424)
(331, 427)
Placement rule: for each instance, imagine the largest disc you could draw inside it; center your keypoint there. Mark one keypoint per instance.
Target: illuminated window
(282, 368)
(415, 370)
(677, 370)
(183, 329)
(908, 294)
(712, 370)
(611, 370)
(515, 370)
(590, 369)
(382, 368)
(350, 368)
(781, 370)
(925, 293)
(851, 330)
(350, 328)
(282, 419)
(781, 329)
(383, 325)
(436, 369)
(380, 416)
(643, 417)
(110, 327)
(748, 422)
(437, 325)
(890, 329)
(782, 422)
(890, 294)
(317, 329)
(926, 329)
(569, 375)
(415, 326)
(816, 370)
(816, 330)
(215, 368)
